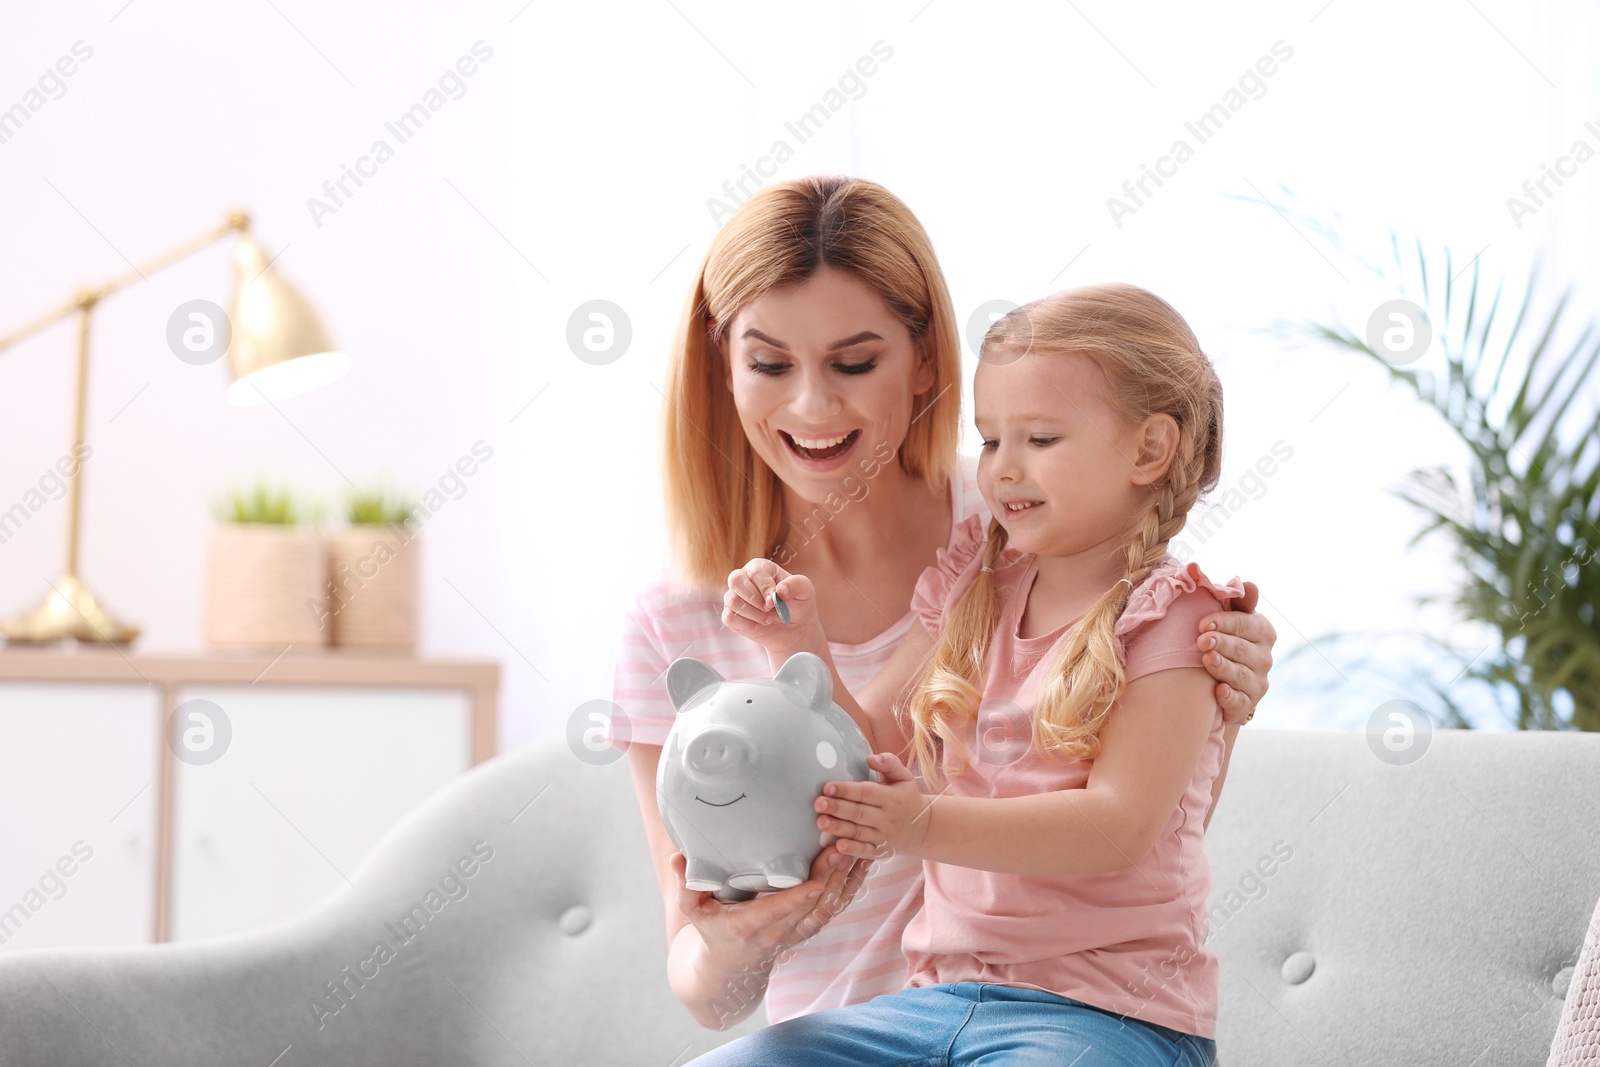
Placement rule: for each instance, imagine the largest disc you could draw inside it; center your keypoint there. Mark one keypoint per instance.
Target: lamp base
(69, 610)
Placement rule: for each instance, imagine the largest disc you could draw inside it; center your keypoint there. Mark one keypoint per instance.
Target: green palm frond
(1518, 388)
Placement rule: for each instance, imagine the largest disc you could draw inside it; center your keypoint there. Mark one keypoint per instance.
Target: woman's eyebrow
(856, 339)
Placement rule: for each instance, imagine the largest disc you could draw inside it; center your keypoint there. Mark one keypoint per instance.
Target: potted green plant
(264, 561)
(372, 587)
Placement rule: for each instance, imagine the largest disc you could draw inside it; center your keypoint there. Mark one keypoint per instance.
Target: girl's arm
(1228, 734)
(1149, 748)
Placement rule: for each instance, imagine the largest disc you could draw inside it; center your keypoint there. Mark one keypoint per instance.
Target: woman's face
(823, 375)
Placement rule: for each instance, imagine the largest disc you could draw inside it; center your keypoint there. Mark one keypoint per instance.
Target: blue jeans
(965, 1024)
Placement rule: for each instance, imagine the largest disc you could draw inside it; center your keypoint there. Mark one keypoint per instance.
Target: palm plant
(1518, 389)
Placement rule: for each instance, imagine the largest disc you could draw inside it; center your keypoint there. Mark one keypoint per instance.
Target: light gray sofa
(1364, 913)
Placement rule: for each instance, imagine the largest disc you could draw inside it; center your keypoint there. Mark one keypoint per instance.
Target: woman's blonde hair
(1150, 364)
(723, 503)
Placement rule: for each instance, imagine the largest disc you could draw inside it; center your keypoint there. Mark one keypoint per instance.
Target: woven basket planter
(264, 587)
(372, 587)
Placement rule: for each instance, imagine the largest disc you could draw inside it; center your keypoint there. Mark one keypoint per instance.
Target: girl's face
(823, 375)
(1060, 468)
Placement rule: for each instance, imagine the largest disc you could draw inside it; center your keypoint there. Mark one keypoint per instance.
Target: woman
(812, 416)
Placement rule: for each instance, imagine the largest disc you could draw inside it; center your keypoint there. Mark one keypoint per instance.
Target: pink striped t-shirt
(857, 955)
(1131, 941)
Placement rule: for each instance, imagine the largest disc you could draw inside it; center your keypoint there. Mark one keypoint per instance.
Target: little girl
(1063, 734)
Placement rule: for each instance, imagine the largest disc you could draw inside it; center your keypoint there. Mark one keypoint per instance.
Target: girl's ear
(686, 677)
(809, 677)
(1157, 445)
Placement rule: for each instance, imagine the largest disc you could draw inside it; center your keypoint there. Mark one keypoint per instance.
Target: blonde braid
(947, 694)
(1086, 677)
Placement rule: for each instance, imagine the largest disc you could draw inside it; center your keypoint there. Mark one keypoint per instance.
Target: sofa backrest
(1363, 912)
(1376, 913)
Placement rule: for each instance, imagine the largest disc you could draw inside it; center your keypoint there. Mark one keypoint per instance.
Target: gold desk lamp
(279, 348)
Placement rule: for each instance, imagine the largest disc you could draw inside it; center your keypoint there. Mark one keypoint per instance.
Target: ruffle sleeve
(1159, 627)
(953, 569)
(1165, 583)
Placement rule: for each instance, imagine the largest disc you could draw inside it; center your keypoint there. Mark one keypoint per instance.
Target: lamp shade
(280, 347)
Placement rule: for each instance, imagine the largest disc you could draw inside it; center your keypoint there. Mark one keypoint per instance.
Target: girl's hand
(1236, 649)
(745, 937)
(748, 609)
(876, 819)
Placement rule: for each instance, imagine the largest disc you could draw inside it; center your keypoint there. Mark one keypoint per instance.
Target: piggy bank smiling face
(718, 760)
(741, 766)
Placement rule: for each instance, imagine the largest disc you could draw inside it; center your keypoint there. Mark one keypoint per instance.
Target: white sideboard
(78, 766)
(131, 811)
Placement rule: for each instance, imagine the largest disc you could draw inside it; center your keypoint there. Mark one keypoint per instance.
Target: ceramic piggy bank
(741, 768)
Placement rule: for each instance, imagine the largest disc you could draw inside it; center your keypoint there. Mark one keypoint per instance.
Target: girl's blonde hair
(724, 505)
(1150, 364)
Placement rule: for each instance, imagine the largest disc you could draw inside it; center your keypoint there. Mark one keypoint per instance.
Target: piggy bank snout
(718, 751)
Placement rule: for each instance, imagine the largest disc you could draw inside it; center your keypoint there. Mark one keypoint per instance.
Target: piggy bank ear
(686, 677)
(809, 678)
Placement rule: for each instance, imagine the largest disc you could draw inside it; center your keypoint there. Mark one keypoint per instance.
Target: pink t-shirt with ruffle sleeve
(1130, 941)
(857, 955)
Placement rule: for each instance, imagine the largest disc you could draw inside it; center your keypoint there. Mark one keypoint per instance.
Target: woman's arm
(1149, 748)
(719, 956)
(693, 975)
(874, 710)
(747, 610)
(1236, 649)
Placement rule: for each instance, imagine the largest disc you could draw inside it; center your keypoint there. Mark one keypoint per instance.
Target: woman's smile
(817, 453)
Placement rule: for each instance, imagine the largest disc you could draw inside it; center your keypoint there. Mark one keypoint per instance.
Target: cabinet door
(307, 782)
(78, 785)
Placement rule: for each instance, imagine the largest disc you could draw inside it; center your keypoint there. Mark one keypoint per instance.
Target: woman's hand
(742, 939)
(1236, 649)
(748, 608)
(876, 819)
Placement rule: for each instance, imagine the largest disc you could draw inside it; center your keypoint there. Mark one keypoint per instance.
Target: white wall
(578, 165)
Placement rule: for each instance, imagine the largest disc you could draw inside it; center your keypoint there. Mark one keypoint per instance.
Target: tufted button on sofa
(1366, 912)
